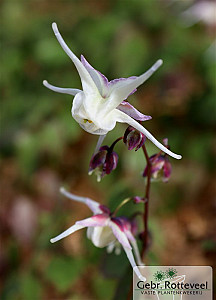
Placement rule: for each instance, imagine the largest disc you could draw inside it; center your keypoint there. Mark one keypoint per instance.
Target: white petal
(117, 249)
(110, 247)
(122, 238)
(121, 93)
(131, 111)
(137, 253)
(87, 82)
(99, 220)
(120, 235)
(99, 79)
(93, 205)
(87, 106)
(102, 236)
(133, 264)
(89, 232)
(121, 83)
(67, 232)
(94, 221)
(123, 118)
(135, 247)
(72, 92)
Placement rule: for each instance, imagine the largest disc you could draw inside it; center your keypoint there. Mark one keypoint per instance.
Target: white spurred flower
(105, 230)
(101, 103)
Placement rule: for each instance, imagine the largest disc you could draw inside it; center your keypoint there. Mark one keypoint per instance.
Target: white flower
(101, 103)
(204, 11)
(104, 230)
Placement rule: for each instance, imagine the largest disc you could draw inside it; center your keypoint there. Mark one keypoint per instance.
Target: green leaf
(10, 289)
(48, 51)
(130, 53)
(124, 285)
(63, 271)
(113, 265)
(101, 285)
(30, 287)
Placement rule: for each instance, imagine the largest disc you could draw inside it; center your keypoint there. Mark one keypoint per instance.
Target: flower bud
(103, 162)
(160, 167)
(133, 138)
(138, 199)
(111, 162)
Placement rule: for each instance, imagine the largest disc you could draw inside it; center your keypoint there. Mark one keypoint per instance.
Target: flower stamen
(86, 120)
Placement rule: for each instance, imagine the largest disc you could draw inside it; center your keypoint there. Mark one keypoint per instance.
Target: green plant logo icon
(159, 276)
(171, 273)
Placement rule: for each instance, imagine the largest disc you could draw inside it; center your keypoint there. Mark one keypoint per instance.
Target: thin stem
(120, 205)
(115, 142)
(145, 213)
(146, 204)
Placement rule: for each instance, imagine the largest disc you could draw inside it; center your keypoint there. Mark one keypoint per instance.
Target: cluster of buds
(160, 166)
(103, 162)
(133, 138)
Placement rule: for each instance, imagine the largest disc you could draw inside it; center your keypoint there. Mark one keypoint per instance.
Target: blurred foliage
(62, 272)
(42, 147)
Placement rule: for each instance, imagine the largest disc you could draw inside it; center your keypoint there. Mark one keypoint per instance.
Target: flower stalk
(146, 204)
(115, 142)
(120, 205)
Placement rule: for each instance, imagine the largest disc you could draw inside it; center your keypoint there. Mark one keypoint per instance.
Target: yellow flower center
(86, 120)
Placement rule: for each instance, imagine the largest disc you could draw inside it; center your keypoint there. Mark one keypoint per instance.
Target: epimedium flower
(101, 104)
(133, 138)
(161, 167)
(103, 162)
(105, 230)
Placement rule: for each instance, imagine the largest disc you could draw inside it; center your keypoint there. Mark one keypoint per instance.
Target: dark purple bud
(152, 159)
(160, 167)
(167, 170)
(103, 162)
(111, 162)
(99, 158)
(133, 138)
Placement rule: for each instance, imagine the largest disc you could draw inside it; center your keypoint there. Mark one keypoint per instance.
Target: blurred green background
(43, 148)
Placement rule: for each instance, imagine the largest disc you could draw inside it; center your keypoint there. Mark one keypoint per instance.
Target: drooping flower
(105, 230)
(101, 103)
(133, 138)
(161, 167)
(103, 162)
